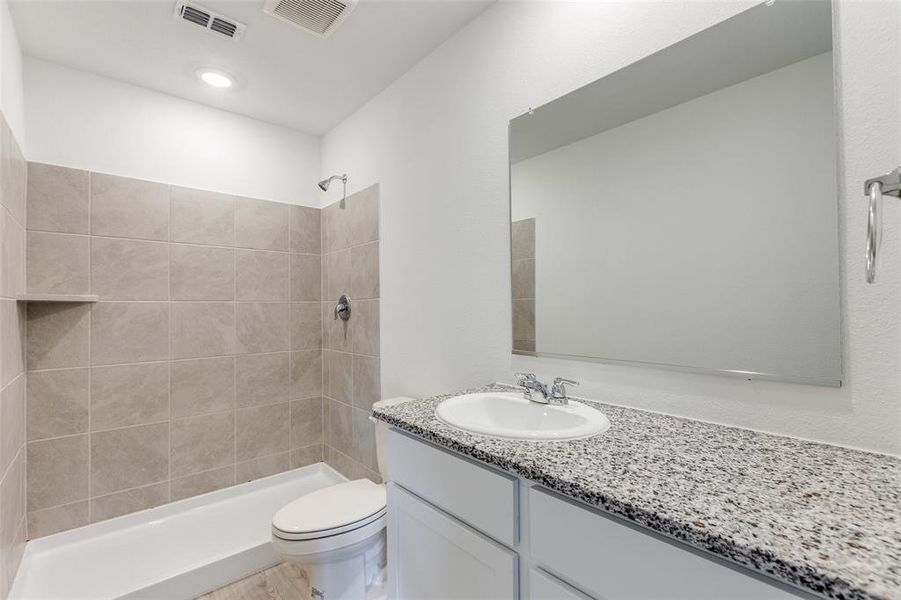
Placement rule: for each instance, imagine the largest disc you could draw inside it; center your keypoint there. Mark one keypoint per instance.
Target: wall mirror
(682, 211)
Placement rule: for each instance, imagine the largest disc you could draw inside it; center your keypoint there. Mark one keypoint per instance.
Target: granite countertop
(824, 518)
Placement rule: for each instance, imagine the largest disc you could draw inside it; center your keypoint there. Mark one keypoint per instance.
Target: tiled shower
(210, 357)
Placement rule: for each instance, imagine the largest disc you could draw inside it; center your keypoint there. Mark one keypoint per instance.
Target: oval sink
(509, 415)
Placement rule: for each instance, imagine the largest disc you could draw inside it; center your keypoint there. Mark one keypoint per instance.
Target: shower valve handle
(342, 309)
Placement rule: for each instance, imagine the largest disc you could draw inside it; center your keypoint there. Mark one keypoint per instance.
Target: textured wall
(12, 356)
(201, 365)
(436, 141)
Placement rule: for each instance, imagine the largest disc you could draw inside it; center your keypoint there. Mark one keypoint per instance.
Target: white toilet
(338, 535)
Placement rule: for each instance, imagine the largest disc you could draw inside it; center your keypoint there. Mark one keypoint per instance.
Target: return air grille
(320, 17)
(212, 22)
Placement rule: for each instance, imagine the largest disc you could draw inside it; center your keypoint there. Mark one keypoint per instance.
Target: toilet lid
(333, 507)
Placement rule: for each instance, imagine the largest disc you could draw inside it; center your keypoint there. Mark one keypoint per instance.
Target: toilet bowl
(337, 534)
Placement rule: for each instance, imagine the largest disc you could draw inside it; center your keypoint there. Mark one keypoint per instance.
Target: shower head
(323, 185)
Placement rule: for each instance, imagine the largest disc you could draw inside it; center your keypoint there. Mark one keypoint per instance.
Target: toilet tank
(381, 434)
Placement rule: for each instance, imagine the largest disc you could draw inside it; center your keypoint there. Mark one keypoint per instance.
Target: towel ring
(874, 229)
(887, 185)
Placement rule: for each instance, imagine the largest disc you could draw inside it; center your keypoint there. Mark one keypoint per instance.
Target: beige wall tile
(12, 420)
(364, 439)
(58, 263)
(12, 341)
(201, 483)
(306, 325)
(57, 471)
(261, 224)
(13, 501)
(128, 332)
(15, 175)
(524, 319)
(261, 275)
(129, 457)
(364, 215)
(305, 230)
(57, 403)
(340, 376)
(202, 329)
(306, 373)
(202, 386)
(301, 457)
(129, 208)
(366, 381)
(56, 519)
(57, 199)
(129, 501)
(306, 277)
(262, 379)
(129, 395)
(364, 264)
(202, 443)
(262, 467)
(14, 547)
(524, 345)
(12, 256)
(306, 422)
(349, 467)
(337, 275)
(338, 334)
(201, 217)
(129, 270)
(58, 335)
(202, 272)
(335, 228)
(366, 327)
(523, 239)
(262, 327)
(262, 430)
(524, 278)
(340, 426)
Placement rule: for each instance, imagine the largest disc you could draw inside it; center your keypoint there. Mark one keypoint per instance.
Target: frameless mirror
(682, 212)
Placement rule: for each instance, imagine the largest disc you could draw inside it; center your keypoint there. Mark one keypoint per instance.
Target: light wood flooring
(281, 582)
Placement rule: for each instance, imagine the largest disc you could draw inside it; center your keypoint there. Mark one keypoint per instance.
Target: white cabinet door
(543, 586)
(432, 556)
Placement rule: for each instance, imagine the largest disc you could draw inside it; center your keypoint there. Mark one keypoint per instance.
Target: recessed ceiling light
(217, 79)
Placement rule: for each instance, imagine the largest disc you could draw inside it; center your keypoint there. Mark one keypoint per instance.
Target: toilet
(337, 534)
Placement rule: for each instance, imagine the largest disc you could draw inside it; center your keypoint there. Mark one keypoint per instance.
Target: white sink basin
(509, 415)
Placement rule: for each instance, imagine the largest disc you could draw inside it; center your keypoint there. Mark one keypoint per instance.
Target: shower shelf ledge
(57, 298)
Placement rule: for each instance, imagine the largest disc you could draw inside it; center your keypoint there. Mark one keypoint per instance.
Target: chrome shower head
(323, 185)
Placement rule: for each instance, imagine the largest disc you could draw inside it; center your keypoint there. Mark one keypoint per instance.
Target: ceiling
(284, 75)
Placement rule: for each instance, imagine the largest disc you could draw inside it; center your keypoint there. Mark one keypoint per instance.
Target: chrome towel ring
(887, 185)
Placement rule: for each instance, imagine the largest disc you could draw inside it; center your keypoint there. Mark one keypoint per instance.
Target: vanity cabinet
(459, 529)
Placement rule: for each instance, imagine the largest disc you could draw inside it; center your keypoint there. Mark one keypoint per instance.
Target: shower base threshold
(179, 550)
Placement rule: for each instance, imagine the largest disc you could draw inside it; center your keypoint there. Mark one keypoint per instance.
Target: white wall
(687, 237)
(436, 140)
(11, 94)
(86, 121)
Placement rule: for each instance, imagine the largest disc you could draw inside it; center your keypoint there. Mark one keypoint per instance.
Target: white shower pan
(178, 550)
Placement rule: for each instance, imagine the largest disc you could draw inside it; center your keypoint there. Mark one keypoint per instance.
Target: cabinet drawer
(607, 558)
(546, 587)
(432, 556)
(481, 497)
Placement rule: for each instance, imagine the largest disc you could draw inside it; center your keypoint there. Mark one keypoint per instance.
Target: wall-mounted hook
(886, 185)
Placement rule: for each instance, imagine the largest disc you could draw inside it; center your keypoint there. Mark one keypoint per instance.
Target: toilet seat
(339, 509)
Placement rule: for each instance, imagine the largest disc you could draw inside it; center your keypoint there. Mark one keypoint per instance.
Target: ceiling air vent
(321, 17)
(209, 20)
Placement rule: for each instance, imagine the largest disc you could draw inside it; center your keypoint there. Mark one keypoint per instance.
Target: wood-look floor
(281, 582)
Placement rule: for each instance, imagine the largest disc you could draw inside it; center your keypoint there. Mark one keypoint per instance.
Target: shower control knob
(342, 309)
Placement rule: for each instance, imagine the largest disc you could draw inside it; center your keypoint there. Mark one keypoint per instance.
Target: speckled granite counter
(821, 517)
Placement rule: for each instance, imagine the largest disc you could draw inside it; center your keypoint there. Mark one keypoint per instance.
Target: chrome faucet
(556, 395)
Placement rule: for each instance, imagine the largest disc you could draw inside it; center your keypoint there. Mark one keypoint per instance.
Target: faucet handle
(558, 390)
(523, 377)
